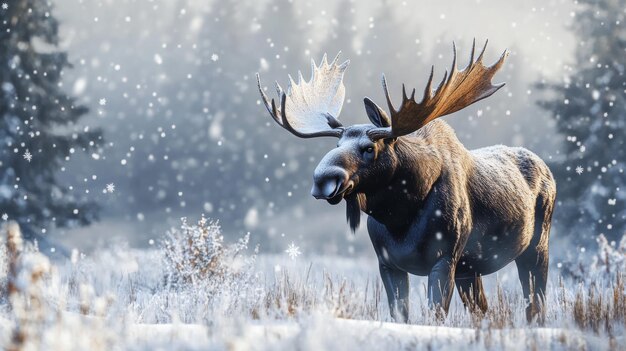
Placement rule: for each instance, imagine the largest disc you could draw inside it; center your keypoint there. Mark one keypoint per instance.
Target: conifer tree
(38, 123)
(589, 108)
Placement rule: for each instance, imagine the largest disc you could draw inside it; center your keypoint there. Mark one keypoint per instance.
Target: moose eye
(369, 150)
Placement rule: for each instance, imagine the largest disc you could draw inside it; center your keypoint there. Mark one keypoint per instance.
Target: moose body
(434, 208)
(454, 215)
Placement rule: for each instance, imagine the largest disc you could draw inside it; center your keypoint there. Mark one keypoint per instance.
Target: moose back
(434, 208)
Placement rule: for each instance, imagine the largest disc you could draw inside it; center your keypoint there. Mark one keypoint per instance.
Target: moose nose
(328, 182)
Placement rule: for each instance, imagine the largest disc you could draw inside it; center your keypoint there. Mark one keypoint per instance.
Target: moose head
(366, 155)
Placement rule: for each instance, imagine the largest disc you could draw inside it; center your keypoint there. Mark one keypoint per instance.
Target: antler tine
(274, 113)
(286, 124)
(271, 107)
(387, 96)
(428, 91)
(457, 90)
(336, 59)
(480, 57)
(291, 83)
(279, 89)
(496, 66)
(453, 69)
(471, 60)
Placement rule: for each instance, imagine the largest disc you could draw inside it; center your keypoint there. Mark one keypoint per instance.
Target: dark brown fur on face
(434, 208)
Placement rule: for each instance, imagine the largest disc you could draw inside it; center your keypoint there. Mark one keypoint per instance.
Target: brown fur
(440, 210)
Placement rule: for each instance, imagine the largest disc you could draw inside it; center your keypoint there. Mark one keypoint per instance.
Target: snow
(324, 333)
(293, 251)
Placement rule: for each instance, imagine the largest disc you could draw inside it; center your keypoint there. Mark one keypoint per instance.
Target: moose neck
(422, 159)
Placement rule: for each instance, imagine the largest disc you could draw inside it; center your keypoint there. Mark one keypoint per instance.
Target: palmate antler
(456, 91)
(310, 109)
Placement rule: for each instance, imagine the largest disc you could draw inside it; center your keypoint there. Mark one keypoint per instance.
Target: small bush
(195, 255)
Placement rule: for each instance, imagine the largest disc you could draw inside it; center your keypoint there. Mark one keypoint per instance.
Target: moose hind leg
(472, 293)
(533, 273)
(532, 265)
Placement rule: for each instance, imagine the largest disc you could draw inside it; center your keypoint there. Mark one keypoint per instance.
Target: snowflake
(5, 216)
(28, 156)
(110, 188)
(215, 57)
(5, 6)
(103, 102)
(293, 251)
(579, 170)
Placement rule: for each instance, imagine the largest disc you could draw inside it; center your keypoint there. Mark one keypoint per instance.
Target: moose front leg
(396, 284)
(441, 284)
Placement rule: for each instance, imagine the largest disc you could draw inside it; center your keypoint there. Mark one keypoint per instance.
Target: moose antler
(456, 91)
(310, 109)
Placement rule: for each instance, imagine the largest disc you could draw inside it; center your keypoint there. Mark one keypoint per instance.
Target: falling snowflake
(214, 57)
(5, 6)
(28, 156)
(612, 202)
(103, 102)
(110, 188)
(293, 251)
(579, 170)
(5, 216)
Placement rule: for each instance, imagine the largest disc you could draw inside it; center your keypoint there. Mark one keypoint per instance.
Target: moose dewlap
(434, 208)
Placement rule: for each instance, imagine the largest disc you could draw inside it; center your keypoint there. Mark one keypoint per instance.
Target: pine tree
(38, 123)
(589, 108)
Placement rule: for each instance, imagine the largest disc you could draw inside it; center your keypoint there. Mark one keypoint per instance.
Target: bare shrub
(197, 257)
(197, 253)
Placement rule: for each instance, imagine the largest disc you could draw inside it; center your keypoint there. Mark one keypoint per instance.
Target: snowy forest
(148, 200)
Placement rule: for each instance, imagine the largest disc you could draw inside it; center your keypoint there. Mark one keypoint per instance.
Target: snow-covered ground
(225, 296)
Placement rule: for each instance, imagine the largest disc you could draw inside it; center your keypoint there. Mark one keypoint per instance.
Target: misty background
(172, 85)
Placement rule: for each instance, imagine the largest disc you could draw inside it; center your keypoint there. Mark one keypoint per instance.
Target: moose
(434, 208)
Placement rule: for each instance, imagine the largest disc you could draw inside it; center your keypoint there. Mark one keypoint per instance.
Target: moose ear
(376, 115)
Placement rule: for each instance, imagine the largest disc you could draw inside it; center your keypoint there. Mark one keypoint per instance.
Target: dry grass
(285, 298)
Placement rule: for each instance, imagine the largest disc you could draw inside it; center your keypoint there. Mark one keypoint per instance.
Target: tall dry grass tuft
(37, 302)
(287, 297)
(600, 309)
(26, 291)
(14, 249)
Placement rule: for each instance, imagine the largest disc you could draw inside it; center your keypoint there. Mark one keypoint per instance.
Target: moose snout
(328, 182)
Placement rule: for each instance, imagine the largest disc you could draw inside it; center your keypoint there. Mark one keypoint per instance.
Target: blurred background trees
(589, 107)
(172, 85)
(39, 123)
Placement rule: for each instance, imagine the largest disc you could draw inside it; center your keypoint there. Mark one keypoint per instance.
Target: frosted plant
(610, 259)
(195, 255)
(604, 265)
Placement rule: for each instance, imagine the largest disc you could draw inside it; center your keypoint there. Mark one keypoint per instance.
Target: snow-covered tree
(589, 107)
(38, 122)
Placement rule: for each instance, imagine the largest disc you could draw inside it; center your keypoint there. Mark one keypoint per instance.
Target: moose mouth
(340, 191)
